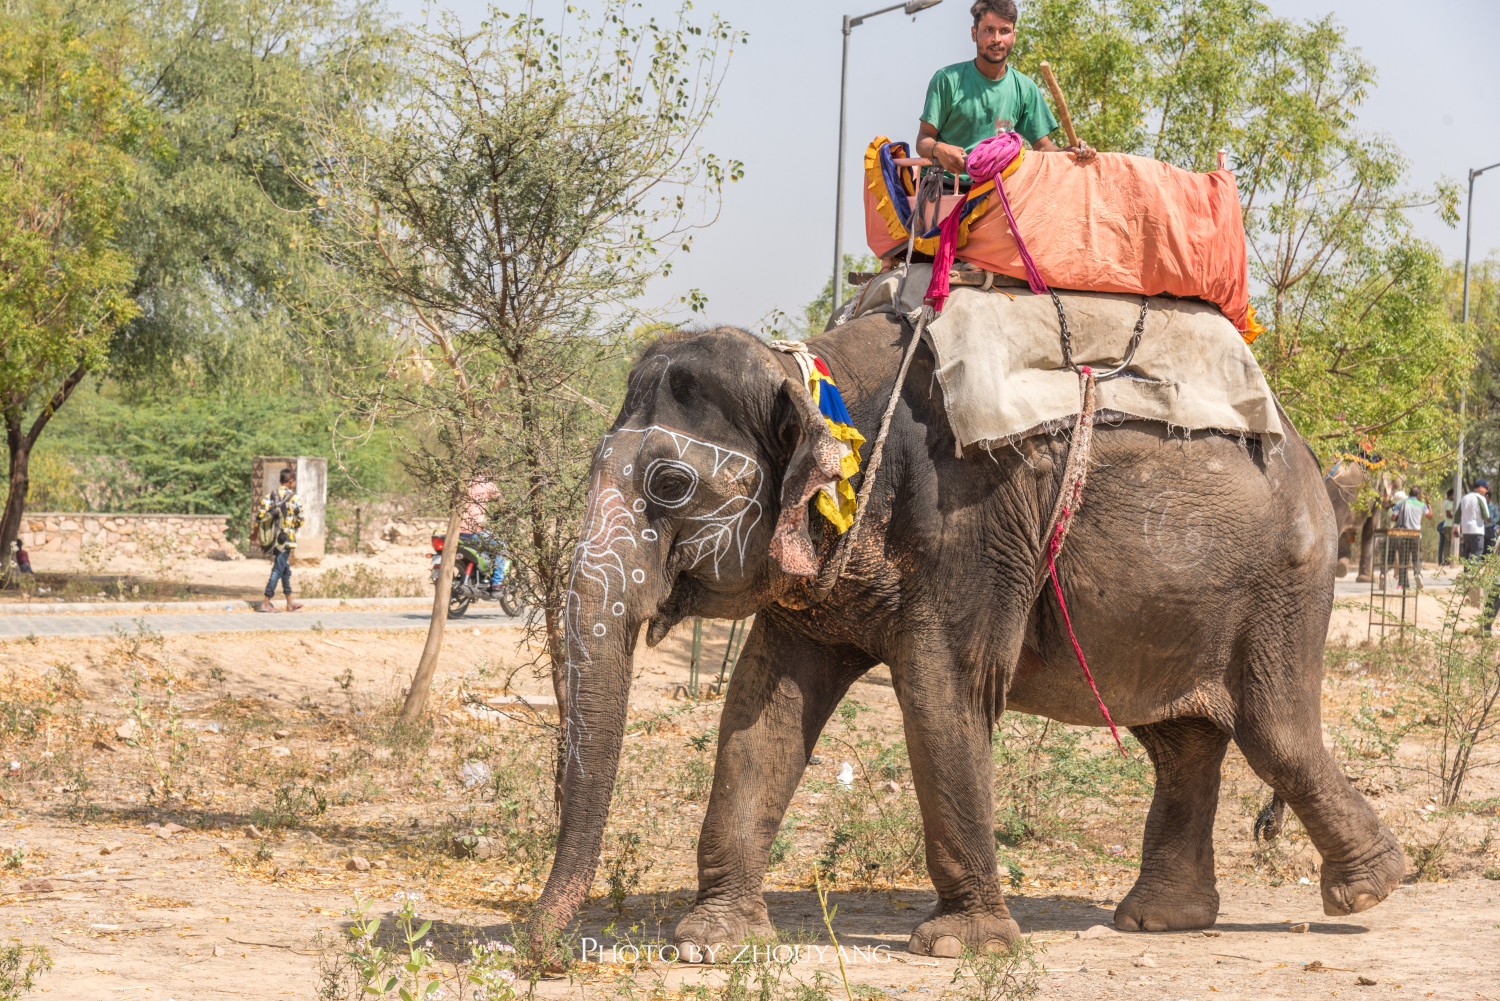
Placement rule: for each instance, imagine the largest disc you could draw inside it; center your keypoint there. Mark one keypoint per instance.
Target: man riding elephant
(700, 506)
(971, 101)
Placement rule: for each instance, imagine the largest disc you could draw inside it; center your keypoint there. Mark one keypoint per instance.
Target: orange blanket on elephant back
(1120, 223)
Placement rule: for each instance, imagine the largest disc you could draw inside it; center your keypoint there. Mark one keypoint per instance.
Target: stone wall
(124, 534)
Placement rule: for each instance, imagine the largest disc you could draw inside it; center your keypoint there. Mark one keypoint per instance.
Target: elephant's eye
(670, 483)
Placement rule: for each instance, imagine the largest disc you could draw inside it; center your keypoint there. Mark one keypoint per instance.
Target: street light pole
(1463, 392)
(850, 23)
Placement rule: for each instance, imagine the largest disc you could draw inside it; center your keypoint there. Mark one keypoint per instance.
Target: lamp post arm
(862, 18)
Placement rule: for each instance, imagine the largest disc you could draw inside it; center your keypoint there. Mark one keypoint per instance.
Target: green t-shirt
(966, 107)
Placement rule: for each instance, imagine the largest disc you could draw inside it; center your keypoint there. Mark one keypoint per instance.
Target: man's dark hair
(288, 475)
(1003, 9)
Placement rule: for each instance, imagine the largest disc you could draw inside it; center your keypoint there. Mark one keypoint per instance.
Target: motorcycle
(471, 578)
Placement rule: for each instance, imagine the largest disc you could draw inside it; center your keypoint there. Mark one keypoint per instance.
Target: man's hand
(1083, 150)
(951, 157)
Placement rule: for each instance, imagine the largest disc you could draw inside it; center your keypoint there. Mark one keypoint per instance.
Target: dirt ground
(210, 911)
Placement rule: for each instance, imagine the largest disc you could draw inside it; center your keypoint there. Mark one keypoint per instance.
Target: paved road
(106, 619)
(1348, 587)
(97, 624)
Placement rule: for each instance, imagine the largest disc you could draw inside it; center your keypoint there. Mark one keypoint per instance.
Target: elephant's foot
(1351, 887)
(701, 936)
(946, 935)
(1148, 909)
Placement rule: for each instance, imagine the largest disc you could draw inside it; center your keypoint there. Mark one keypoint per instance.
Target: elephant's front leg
(783, 691)
(1175, 891)
(948, 729)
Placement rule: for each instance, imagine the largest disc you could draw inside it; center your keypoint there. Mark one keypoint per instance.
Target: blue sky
(1438, 97)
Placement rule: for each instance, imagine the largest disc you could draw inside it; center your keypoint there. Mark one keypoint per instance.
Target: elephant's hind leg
(783, 691)
(1280, 733)
(1175, 891)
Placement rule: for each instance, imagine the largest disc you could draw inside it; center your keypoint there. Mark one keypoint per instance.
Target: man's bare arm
(1083, 149)
(950, 156)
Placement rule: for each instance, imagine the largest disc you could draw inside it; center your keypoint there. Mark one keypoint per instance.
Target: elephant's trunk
(605, 605)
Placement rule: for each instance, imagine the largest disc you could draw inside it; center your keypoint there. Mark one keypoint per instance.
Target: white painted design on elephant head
(612, 537)
(645, 382)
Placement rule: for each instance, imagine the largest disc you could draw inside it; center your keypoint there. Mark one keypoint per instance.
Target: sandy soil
(201, 914)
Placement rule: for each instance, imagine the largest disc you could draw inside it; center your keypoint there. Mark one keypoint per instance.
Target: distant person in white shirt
(1473, 512)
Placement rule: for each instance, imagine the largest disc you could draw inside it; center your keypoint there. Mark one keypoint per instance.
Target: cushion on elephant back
(1001, 370)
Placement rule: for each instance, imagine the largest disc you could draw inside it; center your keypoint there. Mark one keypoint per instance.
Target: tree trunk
(15, 499)
(20, 445)
(421, 682)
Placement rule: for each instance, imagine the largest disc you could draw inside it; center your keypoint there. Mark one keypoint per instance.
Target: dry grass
(344, 779)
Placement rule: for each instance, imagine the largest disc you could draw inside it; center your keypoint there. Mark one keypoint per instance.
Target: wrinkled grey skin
(1198, 573)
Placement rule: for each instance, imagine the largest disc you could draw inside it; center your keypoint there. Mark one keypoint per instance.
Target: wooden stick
(1062, 105)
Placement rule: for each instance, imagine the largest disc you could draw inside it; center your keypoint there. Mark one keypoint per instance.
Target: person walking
(280, 515)
(1473, 512)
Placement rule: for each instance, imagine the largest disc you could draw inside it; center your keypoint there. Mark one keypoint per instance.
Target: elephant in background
(1344, 484)
(1198, 571)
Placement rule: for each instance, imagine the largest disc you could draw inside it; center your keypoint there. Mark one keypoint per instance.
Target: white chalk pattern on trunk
(610, 540)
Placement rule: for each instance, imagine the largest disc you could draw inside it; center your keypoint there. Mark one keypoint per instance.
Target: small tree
(500, 223)
(816, 313)
(1449, 693)
(68, 126)
(1359, 345)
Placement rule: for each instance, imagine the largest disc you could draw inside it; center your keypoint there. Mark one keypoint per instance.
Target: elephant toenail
(1155, 924)
(947, 947)
(1363, 902)
(995, 945)
(690, 952)
(1125, 922)
(915, 947)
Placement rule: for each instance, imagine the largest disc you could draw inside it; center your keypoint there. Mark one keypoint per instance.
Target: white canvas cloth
(1000, 363)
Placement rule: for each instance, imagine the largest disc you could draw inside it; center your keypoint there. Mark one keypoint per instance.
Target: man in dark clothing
(1445, 529)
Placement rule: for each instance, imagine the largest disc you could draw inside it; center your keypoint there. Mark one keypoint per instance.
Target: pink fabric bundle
(985, 163)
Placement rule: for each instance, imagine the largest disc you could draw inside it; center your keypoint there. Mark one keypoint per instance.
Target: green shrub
(1012, 975)
(17, 979)
(1046, 778)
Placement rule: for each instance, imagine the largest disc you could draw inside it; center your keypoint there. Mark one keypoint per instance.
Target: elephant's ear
(814, 465)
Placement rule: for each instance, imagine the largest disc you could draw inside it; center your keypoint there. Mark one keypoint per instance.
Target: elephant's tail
(1268, 821)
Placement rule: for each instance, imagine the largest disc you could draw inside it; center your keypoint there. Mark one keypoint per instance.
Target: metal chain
(1067, 339)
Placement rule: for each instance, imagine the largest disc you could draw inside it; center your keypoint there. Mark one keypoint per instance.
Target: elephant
(1198, 573)
(1344, 483)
